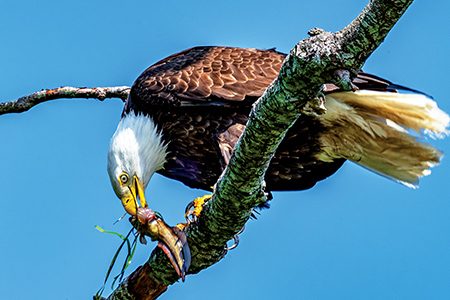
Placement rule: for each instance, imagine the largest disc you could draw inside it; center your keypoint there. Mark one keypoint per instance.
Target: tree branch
(324, 57)
(26, 102)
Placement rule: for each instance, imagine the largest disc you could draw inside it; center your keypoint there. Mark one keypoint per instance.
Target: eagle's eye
(124, 178)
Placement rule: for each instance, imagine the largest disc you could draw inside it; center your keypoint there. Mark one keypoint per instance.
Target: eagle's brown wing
(200, 98)
(222, 76)
(205, 75)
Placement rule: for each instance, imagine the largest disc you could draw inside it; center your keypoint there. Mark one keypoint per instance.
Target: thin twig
(26, 102)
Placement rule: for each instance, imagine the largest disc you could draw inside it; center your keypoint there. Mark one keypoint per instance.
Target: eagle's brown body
(200, 99)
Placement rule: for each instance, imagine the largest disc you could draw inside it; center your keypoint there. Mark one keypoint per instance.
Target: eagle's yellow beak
(130, 199)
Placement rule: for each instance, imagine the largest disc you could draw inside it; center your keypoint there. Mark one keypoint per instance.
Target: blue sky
(354, 236)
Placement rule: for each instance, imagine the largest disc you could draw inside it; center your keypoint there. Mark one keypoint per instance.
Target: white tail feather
(414, 111)
(371, 129)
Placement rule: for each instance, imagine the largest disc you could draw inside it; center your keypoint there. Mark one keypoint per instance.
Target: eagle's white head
(136, 152)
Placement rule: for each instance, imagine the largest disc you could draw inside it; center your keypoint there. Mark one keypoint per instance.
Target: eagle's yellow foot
(194, 209)
(181, 226)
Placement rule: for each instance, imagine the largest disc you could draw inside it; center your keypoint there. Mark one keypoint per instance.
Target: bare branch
(311, 63)
(26, 102)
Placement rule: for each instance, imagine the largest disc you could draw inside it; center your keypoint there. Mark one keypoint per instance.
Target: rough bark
(324, 57)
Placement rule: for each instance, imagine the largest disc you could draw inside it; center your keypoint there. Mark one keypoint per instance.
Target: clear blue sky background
(354, 236)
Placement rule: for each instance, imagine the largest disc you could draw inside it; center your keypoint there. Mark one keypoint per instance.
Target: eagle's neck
(137, 147)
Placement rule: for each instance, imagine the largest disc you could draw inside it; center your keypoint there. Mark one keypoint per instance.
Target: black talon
(188, 213)
(235, 240)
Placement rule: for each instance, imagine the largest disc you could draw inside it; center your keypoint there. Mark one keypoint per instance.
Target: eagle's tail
(376, 130)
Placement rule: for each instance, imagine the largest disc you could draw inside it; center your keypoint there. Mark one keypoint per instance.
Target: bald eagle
(185, 113)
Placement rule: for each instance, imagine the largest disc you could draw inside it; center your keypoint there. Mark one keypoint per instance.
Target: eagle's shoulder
(207, 75)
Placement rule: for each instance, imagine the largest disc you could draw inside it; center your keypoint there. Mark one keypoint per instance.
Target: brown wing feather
(205, 74)
(228, 139)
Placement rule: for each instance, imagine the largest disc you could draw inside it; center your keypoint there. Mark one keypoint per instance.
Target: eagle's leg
(193, 211)
(194, 208)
